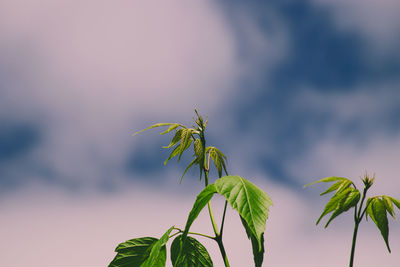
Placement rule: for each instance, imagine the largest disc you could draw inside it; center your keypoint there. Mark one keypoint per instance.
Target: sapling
(247, 199)
(347, 196)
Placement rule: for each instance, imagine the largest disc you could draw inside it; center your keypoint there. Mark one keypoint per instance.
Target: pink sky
(98, 70)
(44, 226)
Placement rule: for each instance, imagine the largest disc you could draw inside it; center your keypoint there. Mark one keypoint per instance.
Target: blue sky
(294, 91)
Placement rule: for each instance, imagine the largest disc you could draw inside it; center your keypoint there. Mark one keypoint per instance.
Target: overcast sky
(294, 91)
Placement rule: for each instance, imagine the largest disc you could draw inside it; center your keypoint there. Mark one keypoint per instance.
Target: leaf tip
(307, 185)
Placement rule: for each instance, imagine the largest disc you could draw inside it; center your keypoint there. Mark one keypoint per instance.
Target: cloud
(377, 21)
(331, 157)
(362, 135)
(371, 108)
(95, 68)
(90, 73)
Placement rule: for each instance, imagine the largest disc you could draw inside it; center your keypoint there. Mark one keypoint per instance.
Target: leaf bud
(368, 182)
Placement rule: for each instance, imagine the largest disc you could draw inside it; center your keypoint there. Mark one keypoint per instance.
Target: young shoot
(251, 203)
(347, 196)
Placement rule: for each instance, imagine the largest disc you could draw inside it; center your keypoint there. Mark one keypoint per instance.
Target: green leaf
(250, 201)
(258, 252)
(137, 243)
(344, 198)
(184, 136)
(218, 158)
(175, 139)
(202, 199)
(339, 186)
(187, 168)
(340, 203)
(215, 158)
(331, 188)
(348, 201)
(343, 186)
(133, 252)
(369, 211)
(224, 166)
(187, 146)
(173, 154)
(222, 158)
(395, 201)
(377, 211)
(188, 252)
(198, 148)
(172, 127)
(220, 153)
(158, 252)
(185, 141)
(388, 205)
(154, 126)
(327, 180)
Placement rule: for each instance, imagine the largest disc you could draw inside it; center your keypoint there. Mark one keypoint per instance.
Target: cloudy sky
(294, 91)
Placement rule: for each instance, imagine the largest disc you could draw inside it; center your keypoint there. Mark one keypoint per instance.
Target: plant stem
(221, 230)
(200, 234)
(359, 215)
(206, 168)
(191, 233)
(210, 211)
(214, 225)
(357, 219)
(218, 236)
(353, 245)
(223, 219)
(222, 249)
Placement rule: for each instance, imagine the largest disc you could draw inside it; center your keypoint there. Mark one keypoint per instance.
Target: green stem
(357, 219)
(353, 245)
(362, 202)
(223, 219)
(214, 225)
(221, 230)
(210, 211)
(191, 233)
(200, 234)
(222, 249)
(205, 169)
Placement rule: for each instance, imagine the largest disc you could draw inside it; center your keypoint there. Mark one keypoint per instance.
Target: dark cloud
(284, 117)
(285, 66)
(17, 139)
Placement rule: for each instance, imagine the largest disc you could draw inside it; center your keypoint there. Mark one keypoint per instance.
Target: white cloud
(331, 157)
(90, 71)
(335, 153)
